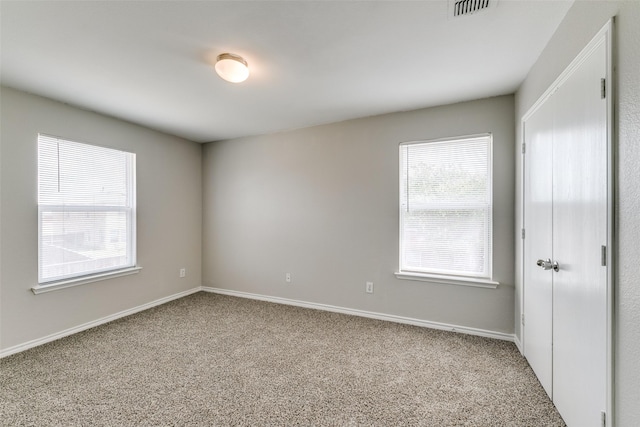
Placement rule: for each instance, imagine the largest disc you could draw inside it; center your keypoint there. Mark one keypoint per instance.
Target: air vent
(459, 8)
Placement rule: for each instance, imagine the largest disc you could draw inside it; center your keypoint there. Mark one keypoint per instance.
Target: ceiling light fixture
(232, 68)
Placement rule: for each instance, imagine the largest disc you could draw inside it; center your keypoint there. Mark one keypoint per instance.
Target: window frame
(130, 210)
(443, 275)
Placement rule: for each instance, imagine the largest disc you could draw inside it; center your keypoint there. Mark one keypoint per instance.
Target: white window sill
(63, 284)
(447, 280)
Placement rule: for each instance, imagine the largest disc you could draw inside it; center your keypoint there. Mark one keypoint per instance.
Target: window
(86, 209)
(446, 207)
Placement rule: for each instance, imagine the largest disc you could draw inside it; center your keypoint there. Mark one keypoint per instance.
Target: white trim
(611, 86)
(447, 280)
(39, 341)
(449, 138)
(368, 314)
(63, 284)
(599, 38)
(286, 301)
(523, 235)
(518, 344)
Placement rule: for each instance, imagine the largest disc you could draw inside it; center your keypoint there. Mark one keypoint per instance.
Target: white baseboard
(39, 341)
(518, 344)
(368, 314)
(325, 307)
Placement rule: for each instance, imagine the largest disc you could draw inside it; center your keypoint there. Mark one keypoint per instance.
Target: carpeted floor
(215, 360)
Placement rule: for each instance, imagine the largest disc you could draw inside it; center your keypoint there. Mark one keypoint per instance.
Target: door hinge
(522, 319)
(522, 233)
(603, 419)
(524, 148)
(603, 256)
(603, 88)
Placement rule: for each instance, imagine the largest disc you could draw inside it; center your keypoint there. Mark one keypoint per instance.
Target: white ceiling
(311, 62)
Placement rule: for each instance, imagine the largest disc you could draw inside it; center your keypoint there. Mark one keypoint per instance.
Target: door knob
(544, 264)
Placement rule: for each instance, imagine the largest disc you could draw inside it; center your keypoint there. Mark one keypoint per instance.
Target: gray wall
(322, 204)
(169, 205)
(581, 23)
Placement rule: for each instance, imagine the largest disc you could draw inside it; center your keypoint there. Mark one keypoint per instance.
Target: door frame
(606, 35)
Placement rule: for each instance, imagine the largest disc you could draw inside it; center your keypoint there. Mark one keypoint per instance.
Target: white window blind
(86, 209)
(446, 207)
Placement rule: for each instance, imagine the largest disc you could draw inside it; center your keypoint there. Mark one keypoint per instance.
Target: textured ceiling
(311, 62)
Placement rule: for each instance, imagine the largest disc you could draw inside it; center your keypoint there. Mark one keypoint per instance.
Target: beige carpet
(214, 360)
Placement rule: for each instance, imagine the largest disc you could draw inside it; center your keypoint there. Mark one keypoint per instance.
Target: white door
(538, 308)
(579, 233)
(566, 201)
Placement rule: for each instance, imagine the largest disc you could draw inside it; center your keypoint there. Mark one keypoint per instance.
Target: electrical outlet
(287, 277)
(369, 288)
(183, 272)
